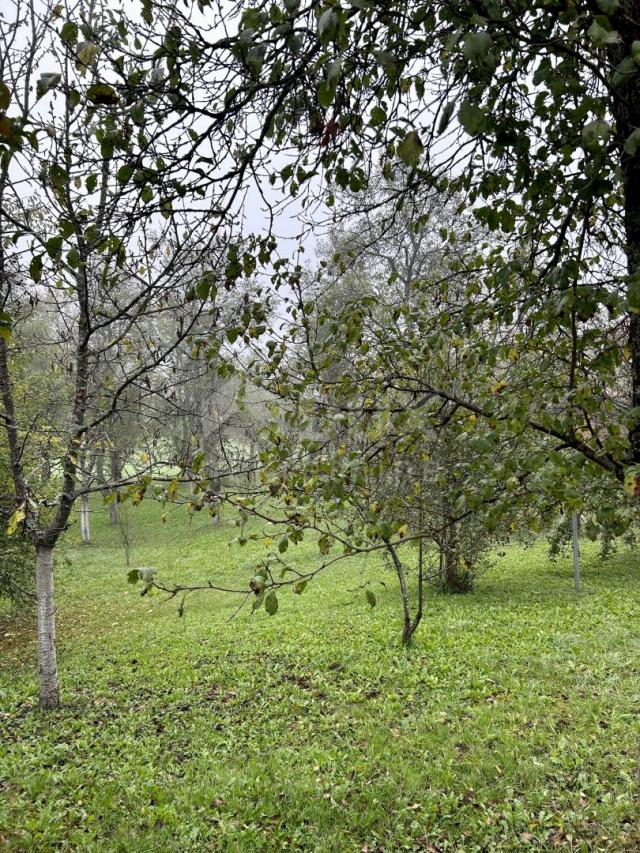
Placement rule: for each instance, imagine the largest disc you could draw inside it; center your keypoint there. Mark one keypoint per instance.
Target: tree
(530, 110)
(73, 242)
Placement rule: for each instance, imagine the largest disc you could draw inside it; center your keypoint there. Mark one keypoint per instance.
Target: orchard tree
(76, 241)
(529, 114)
(530, 111)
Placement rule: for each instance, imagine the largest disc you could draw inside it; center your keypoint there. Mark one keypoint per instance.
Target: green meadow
(511, 723)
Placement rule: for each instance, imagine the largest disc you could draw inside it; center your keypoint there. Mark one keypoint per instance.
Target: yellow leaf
(18, 516)
(86, 56)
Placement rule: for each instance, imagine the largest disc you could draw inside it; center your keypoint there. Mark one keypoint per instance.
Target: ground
(512, 723)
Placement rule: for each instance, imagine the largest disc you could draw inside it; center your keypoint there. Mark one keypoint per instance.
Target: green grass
(512, 723)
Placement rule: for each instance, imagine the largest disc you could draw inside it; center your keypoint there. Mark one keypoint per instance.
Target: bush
(16, 569)
(17, 583)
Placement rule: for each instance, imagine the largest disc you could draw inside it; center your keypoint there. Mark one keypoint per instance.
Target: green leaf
(371, 598)
(46, 83)
(5, 96)
(58, 176)
(166, 207)
(133, 576)
(601, 33)
(378, 116)
(69, 33)
(623, 72)
(326, 93)
(635, 51)
(477, 49)
(472, 118)
(54, 247)
(594, 133)
(102, 94)
(608, 6)
(300, 587)
(632, 142)
(137, 113)
(445, 118)
(327, 26)
(333, 72)
(410, 149)
(35, 268)
(203, 288)
(67, 228)
(387, 61)
(124, 173)
(271, 603)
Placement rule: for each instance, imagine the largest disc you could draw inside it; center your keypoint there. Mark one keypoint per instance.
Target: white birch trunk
(49, 690)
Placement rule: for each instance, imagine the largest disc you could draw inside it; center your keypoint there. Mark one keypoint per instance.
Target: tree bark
(49, 690)
(449, 551)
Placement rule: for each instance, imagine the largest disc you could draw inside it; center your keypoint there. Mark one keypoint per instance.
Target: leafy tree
(529, 110)
(73, 240)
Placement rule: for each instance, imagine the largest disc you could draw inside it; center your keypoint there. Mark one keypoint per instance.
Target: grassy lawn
(512, 723)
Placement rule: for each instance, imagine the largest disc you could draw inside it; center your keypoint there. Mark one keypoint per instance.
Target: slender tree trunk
(100, 465)
(251, 476)
(451, 561)
(85, 526)
(49, 689)
(409, 625)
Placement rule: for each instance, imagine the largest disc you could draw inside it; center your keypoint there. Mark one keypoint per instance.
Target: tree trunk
(113, 513)
(49, 690)
(449, 552)
(100, 466)
(85, 528)
(451, 561)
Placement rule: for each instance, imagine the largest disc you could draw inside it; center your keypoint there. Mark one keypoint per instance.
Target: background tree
(530, 111)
